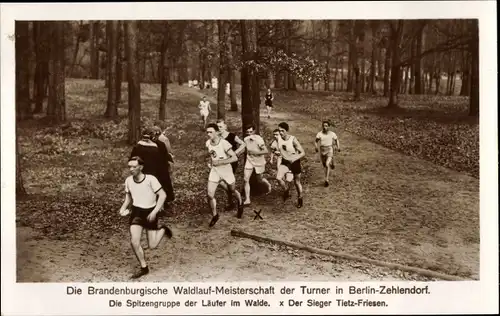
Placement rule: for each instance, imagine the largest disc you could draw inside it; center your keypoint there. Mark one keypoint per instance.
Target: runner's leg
(246, 178)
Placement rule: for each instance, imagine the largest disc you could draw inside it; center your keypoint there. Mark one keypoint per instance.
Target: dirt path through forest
(343, 217)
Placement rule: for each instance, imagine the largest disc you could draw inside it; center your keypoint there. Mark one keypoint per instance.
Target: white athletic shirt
(143, 193)
(327, 139)
(287, 149)
(219, 151)
(203, 106)
(255, 142)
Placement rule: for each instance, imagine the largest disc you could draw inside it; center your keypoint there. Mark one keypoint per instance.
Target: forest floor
(382, 204)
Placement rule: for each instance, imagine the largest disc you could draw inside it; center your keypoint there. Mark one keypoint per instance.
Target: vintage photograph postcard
(249, 158)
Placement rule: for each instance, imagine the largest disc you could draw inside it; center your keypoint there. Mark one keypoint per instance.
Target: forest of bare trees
(379, 57)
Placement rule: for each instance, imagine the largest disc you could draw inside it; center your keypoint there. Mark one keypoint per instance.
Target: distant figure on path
(145, 196)
(325, 142)
(221, 157)
(255, 160)
(291, 152)
(269, 97)
(205, 110)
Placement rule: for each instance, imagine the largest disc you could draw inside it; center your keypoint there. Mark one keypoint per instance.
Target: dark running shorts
(234, 165)
(294, 167)
(139, 216)
(269, 103)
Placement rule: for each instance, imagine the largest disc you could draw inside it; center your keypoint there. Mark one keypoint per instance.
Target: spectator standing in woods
(164, 163)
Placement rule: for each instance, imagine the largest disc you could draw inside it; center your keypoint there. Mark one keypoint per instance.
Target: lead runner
(221, 155)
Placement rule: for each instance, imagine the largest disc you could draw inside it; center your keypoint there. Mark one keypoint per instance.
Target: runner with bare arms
(221, 157)
(204, 107)
(255, 160)
(276, 152)
(145, 195)
(291, 153)
(238, 147)
(325, 142)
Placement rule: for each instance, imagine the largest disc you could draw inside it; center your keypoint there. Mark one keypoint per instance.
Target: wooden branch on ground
(424, 272)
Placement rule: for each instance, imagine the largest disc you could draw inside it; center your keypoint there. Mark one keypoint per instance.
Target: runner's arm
(161, 199)
(232, 158)
(126, 203)
(316, 143)
(241, 146)
(299, 148)
(337, 143)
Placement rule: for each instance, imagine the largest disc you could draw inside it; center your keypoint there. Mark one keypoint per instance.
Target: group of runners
(148, 189)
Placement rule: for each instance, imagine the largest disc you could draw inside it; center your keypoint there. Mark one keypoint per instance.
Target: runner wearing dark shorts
(145, 197)
(291, 152)
(238, 146)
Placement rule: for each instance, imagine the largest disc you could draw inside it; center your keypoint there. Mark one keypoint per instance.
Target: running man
(221, 155)
(146, 195)
(238, 147)
(269, 97)
(205, 110)
(324, 143)
(255, 160)
(276, 152)
(291, 152)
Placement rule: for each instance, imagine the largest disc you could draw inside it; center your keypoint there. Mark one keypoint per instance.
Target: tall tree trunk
(75, 52)
(134, 86)
(56, 105)
(418, 63)
(119, 63)
(41, 48)
(387, 68)
(373, 90)
(23, 102)
(111, 35)
(342, 74)
(94, 50)
(164, 74)
(328, 56)
(412, 68)
(465, 89)
(405, 86)
(396, 34)
(20, 190)
(355, 64)
(250, 93)
(232, 92)
(335, 73)
(223, 69)
(474, 75)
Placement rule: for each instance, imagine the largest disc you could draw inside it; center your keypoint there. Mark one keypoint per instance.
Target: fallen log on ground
(424, 272)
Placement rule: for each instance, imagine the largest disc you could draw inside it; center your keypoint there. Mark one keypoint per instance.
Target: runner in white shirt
(291, 153)
(204, 107)
(221, 157)
(145, 195)
(325, 142)
(255, 160)
(276, 152)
